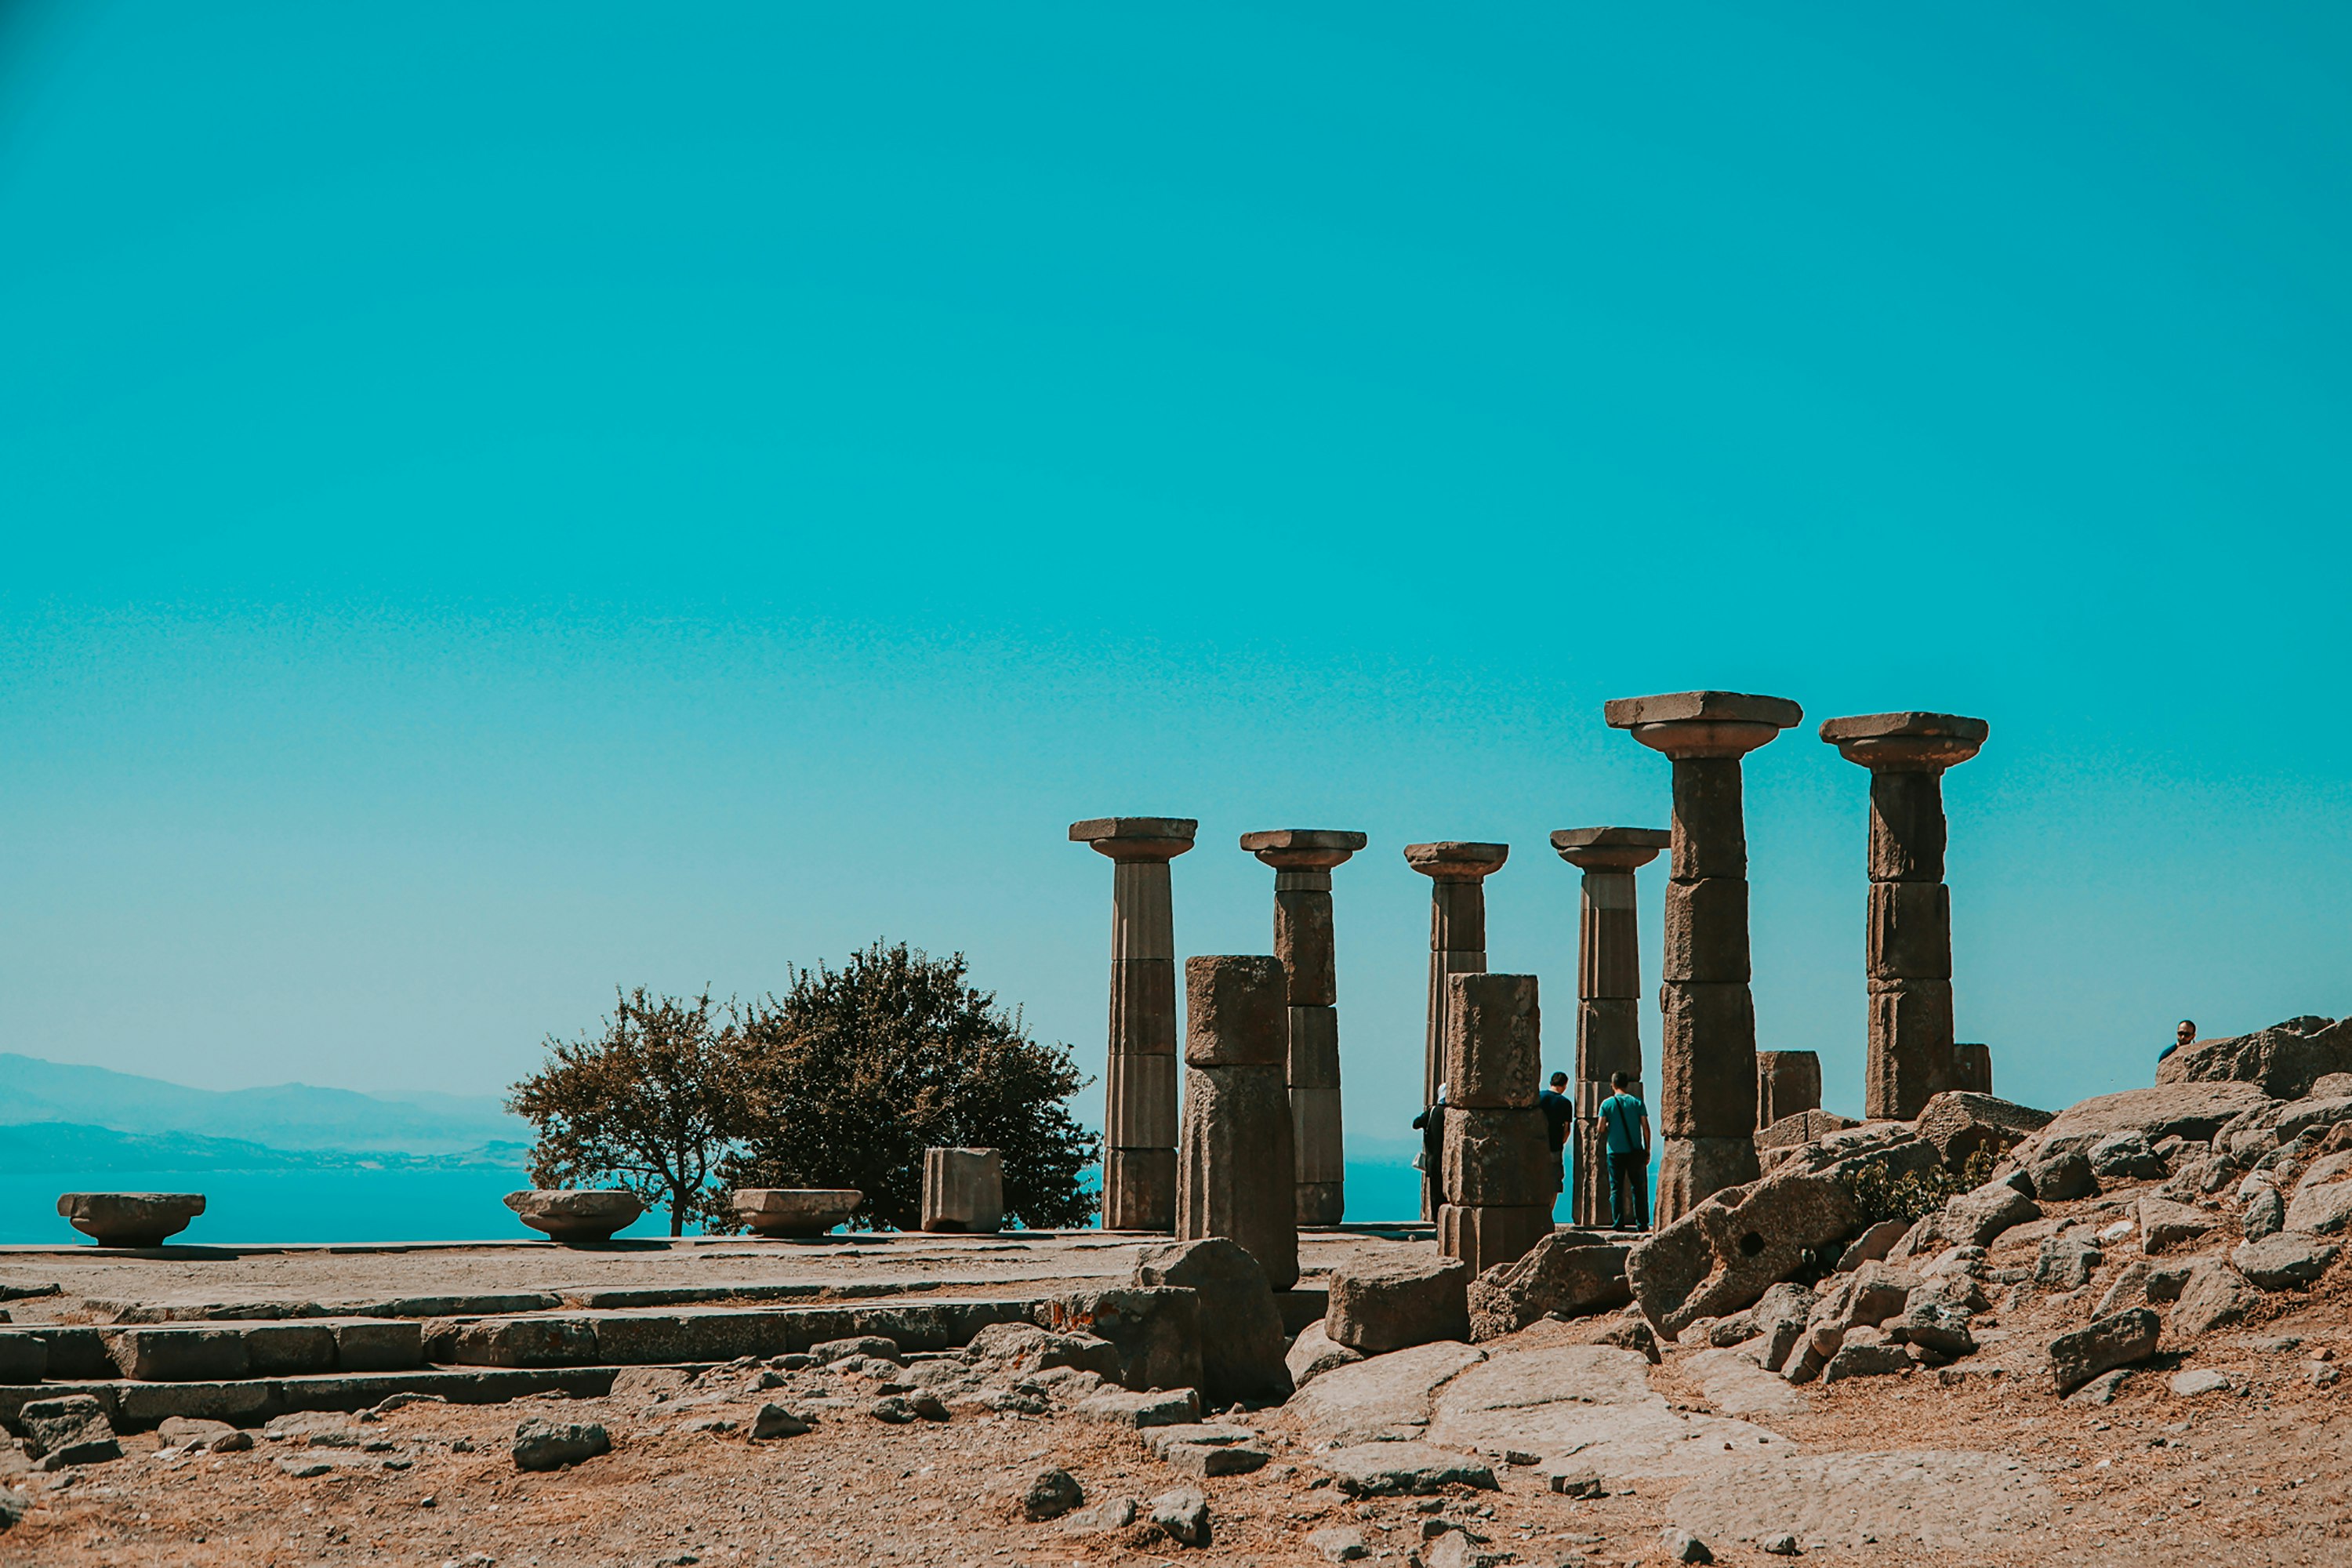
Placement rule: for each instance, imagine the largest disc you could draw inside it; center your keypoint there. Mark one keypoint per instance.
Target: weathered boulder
(1402, 1469)
(1775, 1143)
(1935, 1326)
(2191, 1111)
(2067, 1261)
(1183, 1513)
(2284, 1059)
(1722, 1255)
(2322, 1204)
(2213, 1296)
(1024, 1350)
(1052, 1492)
(1973, 1218)
(2315, 1113)
(1382, 1398)
(1779, 1317)
(576, 1214)
(2127, 1156)
(551, 1446)
(2123, 1340)
(1959, 1124)
(1568, 1273)
(69, 1430)
(2264, 1212)
(1872, 1245)
(1157, 1333)
(1241, 1327)
(130, 1219)
(1313, 1353)
(2283, 1261)
(1868, 1296)
(2165, 1226)
(1865, 1352)
(2063, 1174)
(1376, 1307)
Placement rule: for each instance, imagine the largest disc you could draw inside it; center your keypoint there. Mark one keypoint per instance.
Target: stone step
(249, 1402)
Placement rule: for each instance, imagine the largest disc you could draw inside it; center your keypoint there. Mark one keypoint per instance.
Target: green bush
(1914, 1195)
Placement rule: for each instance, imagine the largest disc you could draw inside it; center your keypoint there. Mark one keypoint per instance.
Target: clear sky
(500, 501)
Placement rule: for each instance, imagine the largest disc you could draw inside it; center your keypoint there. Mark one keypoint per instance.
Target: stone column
(1910, 947)
(1139, 1119)
(1707, 1073)
(1786, 1083)
(1972, 1067)
(1302, 858)
(1608, 991)
(1237, 1177)
(1497, 1166)
(1457, 945)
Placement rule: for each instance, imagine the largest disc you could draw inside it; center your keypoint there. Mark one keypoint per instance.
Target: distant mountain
(34, 1148)
(289, 1116)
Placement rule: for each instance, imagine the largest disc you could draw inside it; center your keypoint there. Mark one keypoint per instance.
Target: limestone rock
(1184, 1513)
(550, 1446)
(69, 1430)
(1052, 1493)
(2123, 1340)
(2063, 1174)
(2166, 1226)
(1784, 1136)
(1027, 1348)
(2315, 1113)
(1312, 1353)
(2067, 1261)
(775, 1421)
(576, 1214)
(1863, 1355)
(2170, 1109)
(2213, 1296)
(1959, 1124)
(2322, 1204)
(875, 1347)
(963, 1190)
(1152, 1407)
(1974, 1218)
(1111, 1513)
(2128, 1155)
(1338, 1544)
(2285, 1260)
(1682, 1546)
(2264, 1213)
(1872, 1246)
(1402, 1469)
(1383, 1398)
(2188, 1384)
(1935, 1326)
(1722, 1255)
(130, 1219)
(1241, 1345)
(2284, 1059)
(24, 1359)
(1155, 1332)
(1388, 1306)
(798, 1212)
(1567, 1274)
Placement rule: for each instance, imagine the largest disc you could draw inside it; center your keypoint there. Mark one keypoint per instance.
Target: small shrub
(1914, 1195)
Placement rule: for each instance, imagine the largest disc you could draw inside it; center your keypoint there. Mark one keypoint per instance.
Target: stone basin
(131, 1219)
(795, 1211)
(576, 1214)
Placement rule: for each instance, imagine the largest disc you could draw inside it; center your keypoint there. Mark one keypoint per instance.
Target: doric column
(1457, 945)
(1497, 1165)
(1787, 1082)
(1236, 1177)
(1972, 1067)
(1139, 1073)
(1302, 858)
(1909, 946)
(1608, 991)
(1706, 1072)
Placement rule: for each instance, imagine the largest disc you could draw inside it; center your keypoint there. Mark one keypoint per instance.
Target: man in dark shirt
(1559, 1116)
(1431, 1125)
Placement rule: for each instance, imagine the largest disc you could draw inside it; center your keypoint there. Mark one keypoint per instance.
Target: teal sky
(501, 502)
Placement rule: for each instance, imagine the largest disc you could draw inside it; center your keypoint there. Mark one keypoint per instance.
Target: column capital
(1136, 838)
(1906, 743)
(1454, 860)
(1703, 723)
(1609, 848)
(1302, 849)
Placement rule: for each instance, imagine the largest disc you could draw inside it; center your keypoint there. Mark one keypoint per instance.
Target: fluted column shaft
(1908, 945)
(1707, 1073)
(1302, 860)
(1141, 1109)
(1608, 993)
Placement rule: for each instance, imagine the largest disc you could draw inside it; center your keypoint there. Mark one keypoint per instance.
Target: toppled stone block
(1780, 1318)
(1242, 1350)
(1024, 1347)
(551, 1446)
(1784, 1136)
(2189, 1384)
(1391, 1305)
(2164, 1226)
(1959, 1124)
(70, 1430)
(1722, 1255)
(2284, 1261)
(1872, 1246)
(576, 1214)
(2212, 1297)
(1155, 1332)
(1402, 1469)
(795, 1212)
(1152, 1407)
(1313, 1353)
(1568, 1273)
(131, 1219)
(1207, 1459)
(2106, 1343)
(963, 1190)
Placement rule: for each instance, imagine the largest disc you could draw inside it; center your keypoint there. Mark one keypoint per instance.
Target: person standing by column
(1627, 1121)
(1559, 1116)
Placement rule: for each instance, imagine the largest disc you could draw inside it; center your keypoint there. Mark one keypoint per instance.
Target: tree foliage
(643, 1104)
(844, 1080)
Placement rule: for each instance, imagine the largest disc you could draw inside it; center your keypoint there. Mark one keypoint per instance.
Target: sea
(459, 1203)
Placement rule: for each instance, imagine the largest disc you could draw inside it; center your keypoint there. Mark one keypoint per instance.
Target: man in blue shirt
(1621, 1115)
(1559, 1115)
